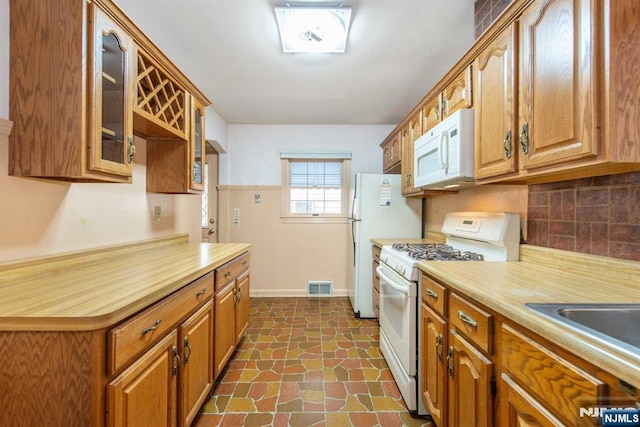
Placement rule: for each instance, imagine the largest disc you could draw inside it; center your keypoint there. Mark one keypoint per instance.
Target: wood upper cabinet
(162, 104)
(455, 96)
(559, 92)
(112, 148)
(432, 113)
(71, 92)
(413, 132)
(546, 109)
(197, 146)
(392, 153)
(176, 165)
(496, 123)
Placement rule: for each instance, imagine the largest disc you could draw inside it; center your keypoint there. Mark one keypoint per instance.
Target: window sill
(313, 220)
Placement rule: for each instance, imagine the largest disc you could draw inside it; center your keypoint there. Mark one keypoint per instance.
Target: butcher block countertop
(550, 276)
(97, 288)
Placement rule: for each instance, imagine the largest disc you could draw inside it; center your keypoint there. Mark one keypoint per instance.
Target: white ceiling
(230, 49)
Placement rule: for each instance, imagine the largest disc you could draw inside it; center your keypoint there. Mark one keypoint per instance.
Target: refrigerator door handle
(353, 239)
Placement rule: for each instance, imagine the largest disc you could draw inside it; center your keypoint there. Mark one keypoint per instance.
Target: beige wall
(283, 256)
(40, 217)
(488, 198)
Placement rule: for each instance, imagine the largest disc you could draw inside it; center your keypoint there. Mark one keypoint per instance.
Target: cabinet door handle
(506, 144)
(227, 274)
(131, 150)
(439, 348)
(450, 361)
(175, 361)
(431, 293)
(202, 292)
(148, 329)
(524, 138)
(467, 319)
(187, 350)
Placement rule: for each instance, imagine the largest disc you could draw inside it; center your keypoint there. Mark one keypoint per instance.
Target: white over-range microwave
(443, 157)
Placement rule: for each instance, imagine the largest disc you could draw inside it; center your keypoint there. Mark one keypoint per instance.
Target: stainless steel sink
(617, 324)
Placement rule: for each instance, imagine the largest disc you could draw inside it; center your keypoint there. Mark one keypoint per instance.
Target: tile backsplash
(598, 215)
(485, 12)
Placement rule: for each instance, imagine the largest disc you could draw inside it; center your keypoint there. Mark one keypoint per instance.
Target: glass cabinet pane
(113, 99)
(197, 148)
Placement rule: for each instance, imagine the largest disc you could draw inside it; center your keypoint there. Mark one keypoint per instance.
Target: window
(315, 189)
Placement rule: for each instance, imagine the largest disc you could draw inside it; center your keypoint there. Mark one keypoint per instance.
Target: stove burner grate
(436, 252)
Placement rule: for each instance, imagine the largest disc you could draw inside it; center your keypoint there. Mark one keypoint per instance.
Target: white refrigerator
(377, 210)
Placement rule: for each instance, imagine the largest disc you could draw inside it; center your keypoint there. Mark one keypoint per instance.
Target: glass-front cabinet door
(197, 145)
(111, 146)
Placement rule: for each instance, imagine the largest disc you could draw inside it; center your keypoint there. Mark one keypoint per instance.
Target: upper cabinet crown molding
(144, 43)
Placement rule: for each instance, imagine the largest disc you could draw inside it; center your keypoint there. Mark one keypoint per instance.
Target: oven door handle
(388, 281)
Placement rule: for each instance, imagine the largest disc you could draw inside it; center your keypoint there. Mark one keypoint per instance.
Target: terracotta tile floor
(306, 362)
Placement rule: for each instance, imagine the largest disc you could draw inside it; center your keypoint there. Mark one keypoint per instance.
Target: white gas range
(470, 236)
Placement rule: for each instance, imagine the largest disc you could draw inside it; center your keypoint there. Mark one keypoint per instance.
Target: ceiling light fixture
(313, 29)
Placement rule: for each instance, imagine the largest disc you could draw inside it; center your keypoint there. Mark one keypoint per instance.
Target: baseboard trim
(291, 293)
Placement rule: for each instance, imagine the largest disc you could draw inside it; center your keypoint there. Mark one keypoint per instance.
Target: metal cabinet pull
(148, 329)
(187, 350)
(466, 319)
(202, 292)
(439, 348)
(506, 144)
(450, 361)
(175, 361)
(227, 274)
(524, 138)
(431, 293)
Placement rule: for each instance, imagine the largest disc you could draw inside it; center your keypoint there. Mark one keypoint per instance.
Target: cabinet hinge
(493, 386)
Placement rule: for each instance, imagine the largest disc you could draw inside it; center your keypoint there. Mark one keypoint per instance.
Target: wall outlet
(257, 198)
(236, 212)
(236, 222)
(157, 211)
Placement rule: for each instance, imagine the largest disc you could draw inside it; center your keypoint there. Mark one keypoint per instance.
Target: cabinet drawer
(376, 303)
(230, 270)
(564, 387)
(473, 322)
(376, 253)
(376, 276)
(434, 295)
(138, 333)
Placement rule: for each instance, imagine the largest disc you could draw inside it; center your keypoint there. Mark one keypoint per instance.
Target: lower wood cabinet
(470, 400)
(145, 394)
(521, 409)
(457, 371)
(231, 309)
(475, 374)
(195, 378)
(167, 384)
